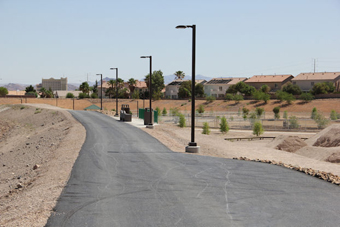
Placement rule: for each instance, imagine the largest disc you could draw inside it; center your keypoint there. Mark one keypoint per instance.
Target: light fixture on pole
(150, 91)
(116, 90)
(101, 91)
(192, 147)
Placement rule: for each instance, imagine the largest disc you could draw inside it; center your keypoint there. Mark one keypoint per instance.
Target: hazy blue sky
(75, 38)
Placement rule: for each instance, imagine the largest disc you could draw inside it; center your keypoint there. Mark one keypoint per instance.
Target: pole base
(192, 149)
(116, 115)
(149, 126)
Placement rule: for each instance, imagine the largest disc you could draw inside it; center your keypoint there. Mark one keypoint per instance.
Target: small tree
(69, 95)
(314, 112)
(200, 109)
(321, 121)
(206, 129)
(245, 112)
(276, 111)
(158, 111)
(94, 96)
(181, 121)
(285, 115)
(257, 128)
(3, 91)
(252, 118)
(265, 88)
(293, 122)
(210, 98)
(164, 112)
(224, 127)
(334, 115)
(259, 111)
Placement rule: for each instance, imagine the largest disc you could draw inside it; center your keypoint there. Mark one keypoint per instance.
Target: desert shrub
(237, 98)
(37, 110)
(265, 88)
(321, 121)
(210, 98)
(94, 96)
(293, 122)
(83, 96)
(257, 128)
(181, 121)
(307, 97)
(158, 111)
(334, 115)
(174, 111)
(231, 118)
(289, 98)
(164, 112)
(69, 95)
(228, 97)
(245, 112)
(206, 129)
(224, 127)
(323, 88)
(314, 112)
(292, 89)
(22, 107)
(276, 111)
(285, 115)
(113, 110)
(252, 118)
(200, 109)
(259, 111)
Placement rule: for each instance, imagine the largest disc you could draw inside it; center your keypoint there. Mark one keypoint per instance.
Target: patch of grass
(37, 110)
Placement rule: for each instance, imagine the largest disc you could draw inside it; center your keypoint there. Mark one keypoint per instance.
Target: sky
(78, 39)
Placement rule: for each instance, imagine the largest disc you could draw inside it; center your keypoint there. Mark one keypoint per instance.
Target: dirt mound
(334, 158)
(330, 137)
(287, 143)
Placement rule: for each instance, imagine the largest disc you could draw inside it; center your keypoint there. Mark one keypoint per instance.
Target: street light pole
(101, 91)
(150, 91)
(192, 147)
(116, 90)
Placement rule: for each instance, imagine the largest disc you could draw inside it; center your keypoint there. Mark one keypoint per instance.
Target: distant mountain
(73, 87)
(15, 87)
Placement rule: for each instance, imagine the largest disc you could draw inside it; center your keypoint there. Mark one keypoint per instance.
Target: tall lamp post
(192, 147)
(116, 90)
(150, 93)
(101, 91)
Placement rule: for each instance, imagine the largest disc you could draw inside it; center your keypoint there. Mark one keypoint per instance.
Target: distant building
(171, 90)
(306, 81)
(275, 82)
(62, 94)
(217, 87)
(55, 84)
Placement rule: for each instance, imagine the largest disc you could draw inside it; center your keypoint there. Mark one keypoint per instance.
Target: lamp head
(145, 56)
(99, 74)
(113, 68)
(181, 26)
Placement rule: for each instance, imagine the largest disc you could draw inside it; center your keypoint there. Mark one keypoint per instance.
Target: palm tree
(132, 84)
(85, 88)
(111, 82)
(179, 75)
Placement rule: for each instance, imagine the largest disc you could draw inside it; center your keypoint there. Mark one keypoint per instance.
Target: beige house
(62, 94)
(306, 81)
(55, 84)
(217, 87)
(275, 82)
(171, 90)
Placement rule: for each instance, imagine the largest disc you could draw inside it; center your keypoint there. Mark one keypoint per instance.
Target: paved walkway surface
(125, 177)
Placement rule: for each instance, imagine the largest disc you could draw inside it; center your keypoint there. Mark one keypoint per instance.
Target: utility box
(147, 116)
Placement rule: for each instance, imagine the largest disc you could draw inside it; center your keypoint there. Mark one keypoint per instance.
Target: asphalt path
(124, 177)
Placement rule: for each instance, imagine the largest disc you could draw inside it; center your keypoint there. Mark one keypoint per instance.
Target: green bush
(314, 112)
(257, 128)
(210, 98)
(181, 121)
(334, 115)
(237, 98)
(158, 111)
(200, 109)
(285, 115)
(83, 96)
(164, 112)
(206, 129)
(259, 111)
(94, 96)
(174, 111)
(307, 97)
(228, 97)
(224, 127)
(276, 111)
(292, 89)
(69, 95)
(293, 122)
(245, 112)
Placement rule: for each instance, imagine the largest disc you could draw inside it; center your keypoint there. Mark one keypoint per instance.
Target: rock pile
(329, 177)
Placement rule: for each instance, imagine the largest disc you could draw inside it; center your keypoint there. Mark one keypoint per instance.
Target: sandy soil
(50, 139)
(38, 148)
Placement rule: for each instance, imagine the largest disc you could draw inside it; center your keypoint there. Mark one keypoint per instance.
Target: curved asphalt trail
(124, 177)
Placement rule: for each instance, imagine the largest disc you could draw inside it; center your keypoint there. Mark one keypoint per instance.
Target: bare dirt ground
(39, 144)
(38, 148)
